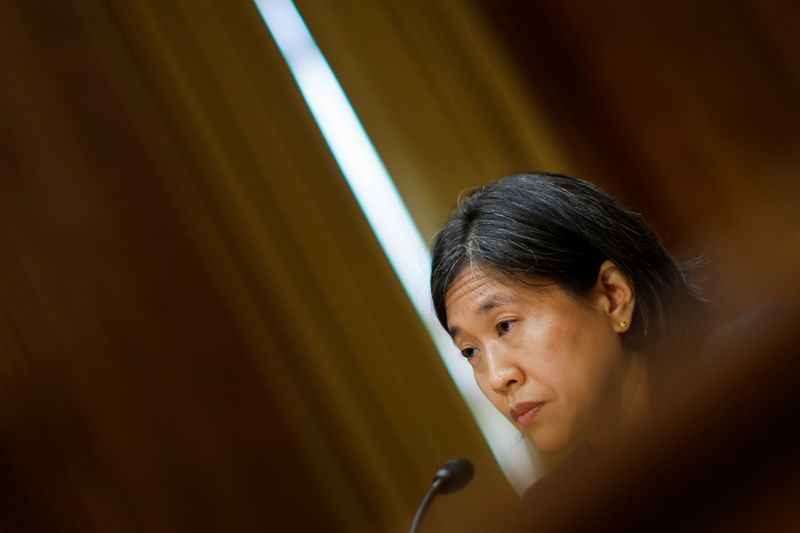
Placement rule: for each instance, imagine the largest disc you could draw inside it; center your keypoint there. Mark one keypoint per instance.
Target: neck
(628, 406)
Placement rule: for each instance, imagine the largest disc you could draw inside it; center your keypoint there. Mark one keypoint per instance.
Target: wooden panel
(199, 330)
(439, 101)
(129, 401)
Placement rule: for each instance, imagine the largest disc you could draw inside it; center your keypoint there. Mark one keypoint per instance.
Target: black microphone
(452, 476)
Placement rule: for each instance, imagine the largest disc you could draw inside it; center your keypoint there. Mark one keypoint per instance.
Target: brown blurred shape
(687, 111)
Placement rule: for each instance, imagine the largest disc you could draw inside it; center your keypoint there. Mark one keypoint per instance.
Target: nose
(503, 369)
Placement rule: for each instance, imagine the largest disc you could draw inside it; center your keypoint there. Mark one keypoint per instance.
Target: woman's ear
(615, 295)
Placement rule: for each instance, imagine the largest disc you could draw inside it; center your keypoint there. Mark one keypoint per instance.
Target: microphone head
(454, 475)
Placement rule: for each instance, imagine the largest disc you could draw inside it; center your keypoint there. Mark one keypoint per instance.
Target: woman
(558, 297)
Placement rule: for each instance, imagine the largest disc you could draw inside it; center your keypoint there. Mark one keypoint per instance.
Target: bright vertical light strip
(387, 214)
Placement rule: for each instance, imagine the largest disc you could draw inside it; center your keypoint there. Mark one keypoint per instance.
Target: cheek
(552, 348)
(577, 356)
(594, 362)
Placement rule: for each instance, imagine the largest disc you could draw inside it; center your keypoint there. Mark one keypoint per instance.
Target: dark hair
(559, 229)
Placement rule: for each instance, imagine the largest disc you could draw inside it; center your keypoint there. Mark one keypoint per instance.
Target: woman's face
(549, 361)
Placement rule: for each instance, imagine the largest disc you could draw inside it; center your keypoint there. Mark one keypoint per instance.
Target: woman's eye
(505, 326)
(468, 352)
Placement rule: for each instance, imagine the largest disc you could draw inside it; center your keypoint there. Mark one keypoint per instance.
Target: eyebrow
(496, 301)
(490, 303)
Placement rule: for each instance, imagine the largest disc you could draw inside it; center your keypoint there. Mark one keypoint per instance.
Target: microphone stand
(454, 475)
(426, 502)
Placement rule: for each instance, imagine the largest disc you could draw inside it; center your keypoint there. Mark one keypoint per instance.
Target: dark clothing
(583, 455)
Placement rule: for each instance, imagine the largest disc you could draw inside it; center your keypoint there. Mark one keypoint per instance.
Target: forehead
(473, 285)
(477, 290)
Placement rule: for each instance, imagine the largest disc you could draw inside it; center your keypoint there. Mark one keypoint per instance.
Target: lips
(524, 413)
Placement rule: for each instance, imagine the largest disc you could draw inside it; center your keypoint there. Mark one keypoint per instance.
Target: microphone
(451, 477)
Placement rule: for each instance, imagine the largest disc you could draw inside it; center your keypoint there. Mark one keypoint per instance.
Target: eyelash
(469, 353)
(500, 329)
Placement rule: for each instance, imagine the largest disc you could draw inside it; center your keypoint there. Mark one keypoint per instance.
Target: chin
(551, 442)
